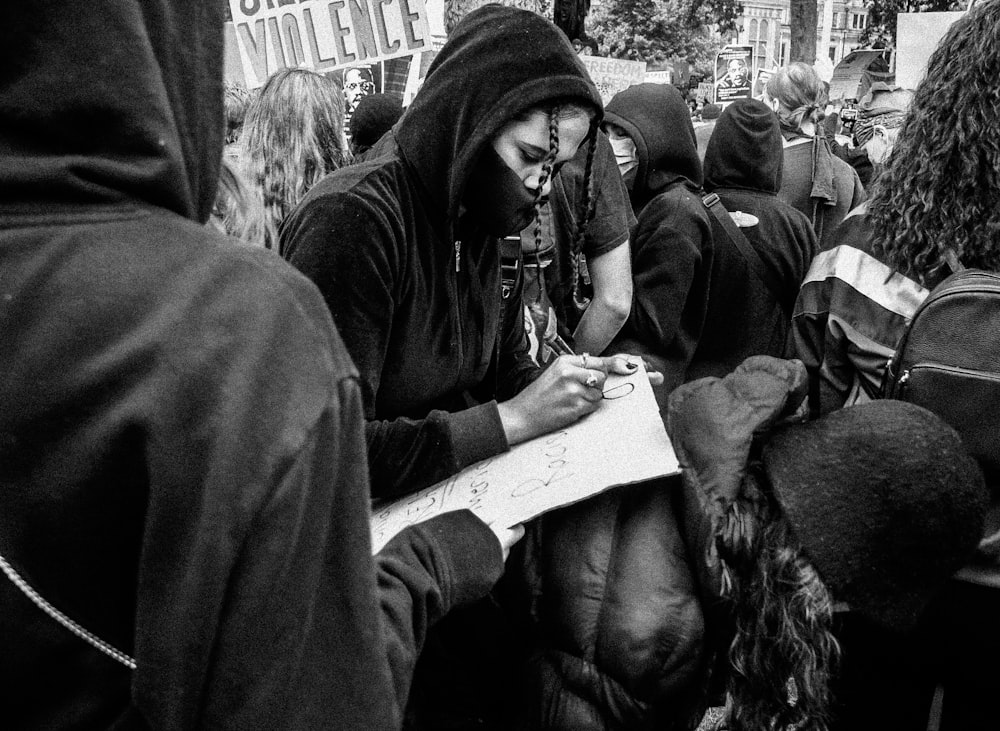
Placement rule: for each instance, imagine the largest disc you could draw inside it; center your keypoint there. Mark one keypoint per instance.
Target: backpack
(948, 361)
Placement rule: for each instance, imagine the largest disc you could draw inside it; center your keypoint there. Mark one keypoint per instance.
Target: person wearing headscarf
(743, 168)
(184, 518)
(814, 180)
(672, 241)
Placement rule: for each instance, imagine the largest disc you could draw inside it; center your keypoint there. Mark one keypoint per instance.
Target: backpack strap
(714, 205)
(951, 259)
(510, 263)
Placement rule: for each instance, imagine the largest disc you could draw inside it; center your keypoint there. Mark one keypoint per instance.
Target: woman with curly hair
(935, 208)
(936, 204)
(796, 529)
(292, 136)
(813, 179)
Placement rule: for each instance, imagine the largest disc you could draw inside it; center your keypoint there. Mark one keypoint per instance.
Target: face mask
(497, 197)
(625, 153)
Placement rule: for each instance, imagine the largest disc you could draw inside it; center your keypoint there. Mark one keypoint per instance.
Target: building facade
(765, 27)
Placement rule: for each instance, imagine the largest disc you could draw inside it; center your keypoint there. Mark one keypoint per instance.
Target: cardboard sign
(760, 81)
(732, 73)
(917, 35)
(849, 75)
(612, 75)
(659, 77)
(621, 443)
(324, 35)
(705, 92)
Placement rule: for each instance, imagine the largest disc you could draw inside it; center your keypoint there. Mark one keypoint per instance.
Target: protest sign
(732, 74)
(612, 75)
(851, 77)
(705, 92)
(917, 35)
(659, 77)
(622, 442)
(324, 35)
(760, 81)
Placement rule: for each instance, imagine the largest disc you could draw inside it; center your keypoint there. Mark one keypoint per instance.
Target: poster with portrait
(732, 74)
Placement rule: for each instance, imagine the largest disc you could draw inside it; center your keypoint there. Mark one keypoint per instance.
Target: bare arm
(611, 274)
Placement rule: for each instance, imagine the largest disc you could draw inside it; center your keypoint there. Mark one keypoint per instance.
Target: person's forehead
(535, 130)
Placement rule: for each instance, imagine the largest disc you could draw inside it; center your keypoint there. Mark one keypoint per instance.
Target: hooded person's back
(672, 241)
(743, 164)
(182, 467)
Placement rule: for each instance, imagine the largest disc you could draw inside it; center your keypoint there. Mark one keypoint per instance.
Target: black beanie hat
(885, 501)
(745, 149)
(711, 111)
(373, 117)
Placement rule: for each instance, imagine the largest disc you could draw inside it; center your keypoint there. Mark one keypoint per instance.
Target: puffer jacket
(627, 588)
(714, 425)
(618, 622)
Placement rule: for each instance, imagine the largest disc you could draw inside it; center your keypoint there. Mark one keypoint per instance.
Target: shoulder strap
(753, 260)
(510, 263)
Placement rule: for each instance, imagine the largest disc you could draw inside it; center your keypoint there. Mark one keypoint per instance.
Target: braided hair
(555, 112)
(587, 205)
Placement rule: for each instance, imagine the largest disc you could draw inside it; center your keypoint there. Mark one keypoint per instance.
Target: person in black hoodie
(743, 164)
(406, 250)
(182, 464)
(672, 241)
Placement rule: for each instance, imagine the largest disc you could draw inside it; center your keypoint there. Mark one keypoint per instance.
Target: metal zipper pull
(458, 255)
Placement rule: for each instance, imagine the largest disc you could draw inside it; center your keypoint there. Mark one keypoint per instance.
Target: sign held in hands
(621, 443)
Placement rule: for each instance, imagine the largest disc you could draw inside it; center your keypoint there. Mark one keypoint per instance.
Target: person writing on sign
(405, 249)
(182, 461)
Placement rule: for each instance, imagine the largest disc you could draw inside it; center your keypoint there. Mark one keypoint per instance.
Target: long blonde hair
(293, 135)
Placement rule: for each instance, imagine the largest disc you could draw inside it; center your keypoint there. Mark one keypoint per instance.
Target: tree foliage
(881, 28)
(657, 30)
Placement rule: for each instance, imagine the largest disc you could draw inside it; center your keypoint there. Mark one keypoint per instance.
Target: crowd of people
(234, 321)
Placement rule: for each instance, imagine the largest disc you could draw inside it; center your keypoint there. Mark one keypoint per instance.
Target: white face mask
(625, 153)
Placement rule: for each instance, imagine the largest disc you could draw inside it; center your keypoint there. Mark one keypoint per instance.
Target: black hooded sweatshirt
(743, 164)
(182, 469)
(672, 241)
(414, 287)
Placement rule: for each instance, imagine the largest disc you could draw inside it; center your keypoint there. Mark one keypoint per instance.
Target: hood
(745, 150)
(497, 63)
(109, 101)
(658, 120)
